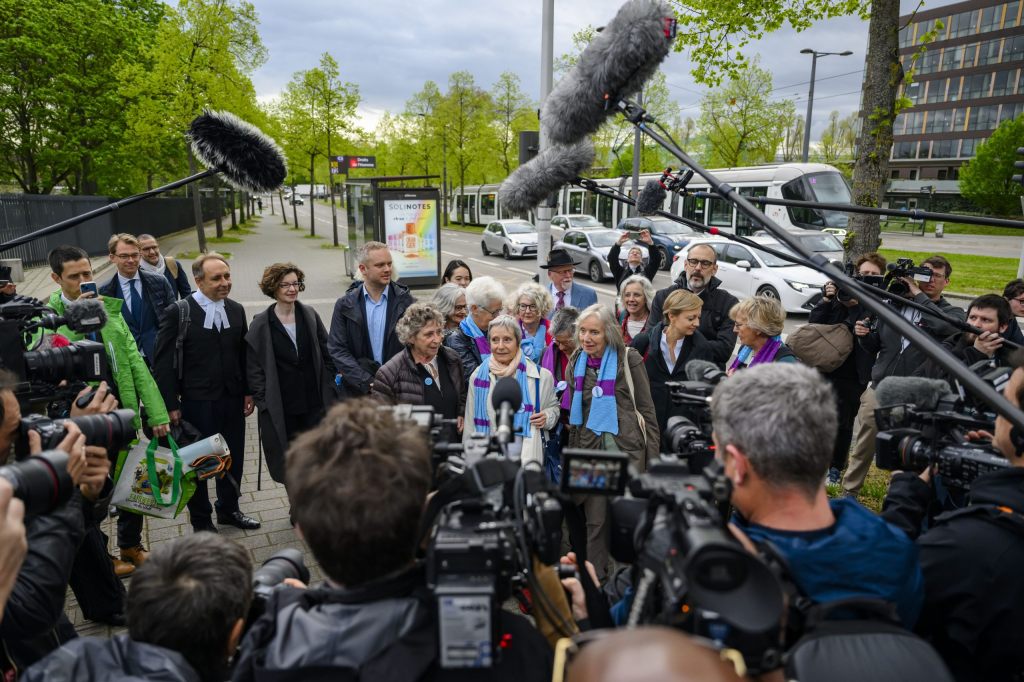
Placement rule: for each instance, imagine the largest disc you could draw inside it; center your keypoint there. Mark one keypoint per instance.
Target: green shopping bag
(151, 480)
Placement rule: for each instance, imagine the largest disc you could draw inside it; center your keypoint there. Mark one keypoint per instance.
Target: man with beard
(989, 313)
(153, 261)
(698, 277)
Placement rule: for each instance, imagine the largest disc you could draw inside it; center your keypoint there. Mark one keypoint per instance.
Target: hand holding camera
(97, 468)
(829, 291)
(73, 444)
(101, 401)
(988, 343)
(13, 544)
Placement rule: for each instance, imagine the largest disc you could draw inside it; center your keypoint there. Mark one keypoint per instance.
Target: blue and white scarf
(603, 416)
(469, 328)
(533, 346)
(482, 398)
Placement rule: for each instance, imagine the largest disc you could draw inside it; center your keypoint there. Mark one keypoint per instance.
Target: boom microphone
(614, 66)
(506, 399)
(248, 159)
(555, 166)
(923, 393)
(652, 197)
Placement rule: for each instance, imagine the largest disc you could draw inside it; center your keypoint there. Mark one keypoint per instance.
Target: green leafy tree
(838, 138)
(514, 112)
(467, 110)
(422, 124)
(986, 179)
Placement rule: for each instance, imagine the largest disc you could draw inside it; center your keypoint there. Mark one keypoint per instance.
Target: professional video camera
(690, 572)
(903, 267)
(40, 370)
(689, 436)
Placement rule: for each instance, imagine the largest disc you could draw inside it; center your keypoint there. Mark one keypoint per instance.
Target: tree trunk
(884, 74)
(218, 207)
(284, 213)
(197, 206)
(234, 219)
(243, 215)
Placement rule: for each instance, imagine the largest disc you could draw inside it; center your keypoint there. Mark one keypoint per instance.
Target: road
(973, 244)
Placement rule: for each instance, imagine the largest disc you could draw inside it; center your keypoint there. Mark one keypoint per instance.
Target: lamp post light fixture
(810, 94)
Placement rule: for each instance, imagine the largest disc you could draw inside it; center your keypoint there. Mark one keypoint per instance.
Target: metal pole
(638, 146)
(810, 106)
(547, 60)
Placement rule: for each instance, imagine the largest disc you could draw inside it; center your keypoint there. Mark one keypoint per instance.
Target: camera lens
(40, 481)
(288, 563)
(81, 361)
(113, 431)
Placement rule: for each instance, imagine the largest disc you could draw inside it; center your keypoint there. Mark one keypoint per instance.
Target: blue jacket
(580, 297)
(860, 556)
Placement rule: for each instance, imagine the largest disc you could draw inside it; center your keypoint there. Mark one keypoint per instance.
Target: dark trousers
(99, 592)
(294, 424)
(848, 394)
(223, 416)
(129, 529)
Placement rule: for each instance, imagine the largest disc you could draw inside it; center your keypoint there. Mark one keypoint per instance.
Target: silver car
(510, 238)
(573, 221)
(589, 248)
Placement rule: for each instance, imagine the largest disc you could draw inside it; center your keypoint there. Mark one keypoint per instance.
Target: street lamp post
(810, 94)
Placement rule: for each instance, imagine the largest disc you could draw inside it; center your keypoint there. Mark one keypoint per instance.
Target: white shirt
(126, 290)
(568, 294)
(664, 352)
(290, 328)
(215, 314)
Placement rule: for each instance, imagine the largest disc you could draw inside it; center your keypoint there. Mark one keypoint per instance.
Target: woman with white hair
(450, 301)
(539, 410)
(484, 297)
(531, 303)
(758, 322)
(556, 360)
(636, 294)
(610, 409)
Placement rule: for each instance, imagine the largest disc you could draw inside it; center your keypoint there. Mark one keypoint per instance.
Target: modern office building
(970, 79)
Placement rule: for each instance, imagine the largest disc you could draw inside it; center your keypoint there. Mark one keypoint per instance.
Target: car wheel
(666, 264)
(483, 247)
(595, 271)
(505, 254)
(768, 292)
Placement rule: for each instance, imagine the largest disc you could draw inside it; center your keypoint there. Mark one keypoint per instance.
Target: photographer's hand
(574, 588)
(911, 285)
(102, 402)
(13, 544)
(73, 444)
(988, 343)
(97, 468)
(829, 291)
(861, 328)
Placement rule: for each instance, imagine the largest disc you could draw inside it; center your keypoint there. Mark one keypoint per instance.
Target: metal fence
(21, 214)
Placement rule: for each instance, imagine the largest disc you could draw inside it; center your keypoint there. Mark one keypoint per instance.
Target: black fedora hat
(558, 258)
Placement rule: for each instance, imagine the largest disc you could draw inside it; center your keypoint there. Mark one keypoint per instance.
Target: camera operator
(853, 376)
(775, 453)
(374, 618)
(186, 610)
(991, 314)
(896, 356)
(972, 558)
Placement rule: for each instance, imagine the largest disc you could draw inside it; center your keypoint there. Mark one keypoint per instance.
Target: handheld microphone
(506, 399)
(703, 370)
(613, 67)
(545, 174)
(249, 160)
(652, 197)
(923, 394)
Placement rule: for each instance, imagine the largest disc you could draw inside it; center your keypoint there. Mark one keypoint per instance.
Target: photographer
(896, 356)
(972, 558)
(776, 452)
(186, 608)
(374, 619)
(853, 376)
(12, 541)
(989, 313)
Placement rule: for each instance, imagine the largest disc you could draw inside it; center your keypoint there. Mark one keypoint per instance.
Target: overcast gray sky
(391, 48)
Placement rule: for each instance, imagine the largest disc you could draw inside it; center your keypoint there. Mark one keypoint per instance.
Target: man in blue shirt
(773, 429)
(362, 334)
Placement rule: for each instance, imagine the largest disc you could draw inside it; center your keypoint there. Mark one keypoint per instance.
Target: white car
(814, 241)
(747, 272)
(510, 238)
(573, 221)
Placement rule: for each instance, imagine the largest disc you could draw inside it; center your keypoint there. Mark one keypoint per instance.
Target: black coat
(715, 323)
(972, 563)
(400, 380)
(622, 273)
(965, 352)
(119, 659)
(214, 361)
(465, 348)
(858, 364)
(349, 340)
(157, 294)
(265, 382)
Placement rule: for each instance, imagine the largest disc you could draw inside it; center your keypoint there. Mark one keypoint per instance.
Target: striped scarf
(603, 417)
(767, 354)
(469, 328)
(552, 357)
(482, 398)
(533, 346)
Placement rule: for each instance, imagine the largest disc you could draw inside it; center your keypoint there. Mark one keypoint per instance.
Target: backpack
(184, 318)
(171, 265)
(822, 346)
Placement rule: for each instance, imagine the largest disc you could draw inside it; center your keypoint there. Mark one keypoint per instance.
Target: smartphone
(634, 235)
(89, 288)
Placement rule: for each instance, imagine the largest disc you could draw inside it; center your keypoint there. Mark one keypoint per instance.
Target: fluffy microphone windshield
(247, 158)
(652, 198)
(529, 184)
(924, 394)
(85, 315)
(614, 66)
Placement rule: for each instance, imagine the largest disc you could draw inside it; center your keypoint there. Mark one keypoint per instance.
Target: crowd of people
(590, 376)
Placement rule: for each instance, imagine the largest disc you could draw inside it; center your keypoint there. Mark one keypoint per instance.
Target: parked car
(296, 200)
(509, 238)
(749, 272)
(669, 236)
(814, 241)
(569, 221)
(589, 248)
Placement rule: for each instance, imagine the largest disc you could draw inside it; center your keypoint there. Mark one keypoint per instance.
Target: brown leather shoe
(134, 555)
(122, 569)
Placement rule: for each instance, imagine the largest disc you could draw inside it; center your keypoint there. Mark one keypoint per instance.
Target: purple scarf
(766, 355)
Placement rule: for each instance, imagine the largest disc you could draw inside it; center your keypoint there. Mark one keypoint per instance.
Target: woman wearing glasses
(531, 304)
(450, 301)
(290, 371)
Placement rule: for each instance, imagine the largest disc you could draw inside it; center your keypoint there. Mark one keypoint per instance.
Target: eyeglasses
(698, 262)
(128, 256)
(290, 285)
(529, 307)
(1018, 300)
(461, 308)
(493, 313)
(737, 325)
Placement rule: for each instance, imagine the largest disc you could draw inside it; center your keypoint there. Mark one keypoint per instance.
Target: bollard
(939, 230)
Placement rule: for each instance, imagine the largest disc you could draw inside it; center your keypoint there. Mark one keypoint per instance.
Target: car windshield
(773, 261)
(602, 238)
(820, 242)
(669, 227)
(519, 228)
(584, 221)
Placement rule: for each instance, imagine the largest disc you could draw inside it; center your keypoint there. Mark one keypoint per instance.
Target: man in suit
(158, 264)
(210, 392)
(561, 270)
(145, 295)
(362, 334)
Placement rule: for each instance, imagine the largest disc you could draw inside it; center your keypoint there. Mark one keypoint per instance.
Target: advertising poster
(411, 233)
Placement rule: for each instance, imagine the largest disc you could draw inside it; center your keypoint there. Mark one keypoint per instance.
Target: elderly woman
(289, 369)
(556, 360)
(484, 296)
(636, 294)
(450, 301)
(610, 408)
(539, 410)
(425, 373)
(531, 303)
(457, 272)
(758, 323)
(670, 344)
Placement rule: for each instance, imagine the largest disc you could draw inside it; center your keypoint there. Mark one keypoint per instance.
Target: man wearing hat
(561, 270)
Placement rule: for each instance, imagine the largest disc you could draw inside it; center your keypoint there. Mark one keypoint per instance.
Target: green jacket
(132, 376)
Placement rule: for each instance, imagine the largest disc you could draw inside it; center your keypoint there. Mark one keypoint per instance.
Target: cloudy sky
(390, 48)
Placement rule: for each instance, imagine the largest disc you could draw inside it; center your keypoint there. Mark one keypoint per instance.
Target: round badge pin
(597, 392)
(428, 381)
(561, 386)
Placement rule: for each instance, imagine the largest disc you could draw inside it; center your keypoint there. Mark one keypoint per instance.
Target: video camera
(904, 267)
(843, 296)
(689, 436)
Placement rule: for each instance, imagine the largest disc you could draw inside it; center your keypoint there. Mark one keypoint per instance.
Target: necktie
(136, 299)
(433, 374)
(561, 300)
